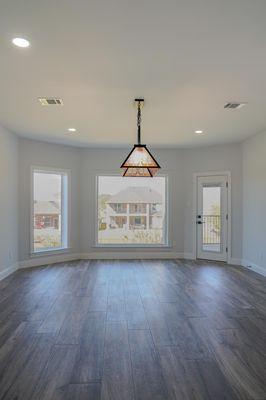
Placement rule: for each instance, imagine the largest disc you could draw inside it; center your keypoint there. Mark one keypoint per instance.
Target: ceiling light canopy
(21, 42)
(140, 162)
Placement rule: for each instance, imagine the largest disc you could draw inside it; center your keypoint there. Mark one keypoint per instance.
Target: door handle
(199, 222)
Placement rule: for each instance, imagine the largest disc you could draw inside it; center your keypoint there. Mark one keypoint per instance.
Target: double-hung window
(49, 209)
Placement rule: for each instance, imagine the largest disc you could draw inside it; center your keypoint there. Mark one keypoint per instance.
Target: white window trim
(65, 190)
(165, 245)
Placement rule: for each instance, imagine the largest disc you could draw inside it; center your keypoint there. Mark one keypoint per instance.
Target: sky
(211, 196)
(46, 186)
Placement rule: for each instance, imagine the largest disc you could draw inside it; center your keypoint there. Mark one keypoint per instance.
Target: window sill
(49, 252)
(133, 246)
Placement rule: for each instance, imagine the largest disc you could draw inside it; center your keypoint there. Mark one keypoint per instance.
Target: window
(50, 205)
(137, 208)
(118, 208)
(132, 211)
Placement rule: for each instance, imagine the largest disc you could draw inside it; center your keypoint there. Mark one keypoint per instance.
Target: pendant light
(140, 162)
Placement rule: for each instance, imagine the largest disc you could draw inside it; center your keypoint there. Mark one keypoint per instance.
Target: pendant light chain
(139, 122)
(140, 162)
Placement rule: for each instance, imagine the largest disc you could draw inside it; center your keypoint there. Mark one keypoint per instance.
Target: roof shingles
(136, 194)
(46, 207)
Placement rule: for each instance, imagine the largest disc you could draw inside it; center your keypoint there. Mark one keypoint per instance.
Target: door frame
(196, 175)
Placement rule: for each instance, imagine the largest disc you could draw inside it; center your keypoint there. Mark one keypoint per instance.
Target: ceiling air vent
(51, 101)
(234, 105)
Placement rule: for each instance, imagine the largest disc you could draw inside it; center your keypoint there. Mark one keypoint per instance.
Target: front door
(212, 217)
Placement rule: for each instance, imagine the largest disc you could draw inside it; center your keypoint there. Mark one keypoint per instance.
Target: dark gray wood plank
(89, 362)
(116, 308)
(156, 317)
(186, 334)
(19, 339)
(41, 308)
(91, 391)
(252, 327)
(147, 373)
(98, 297)
(22, 374)
(57, 314)
(57, 372)
(70, 332)
(242, 365)
(193, 380)
(135, 313)
(117, 373)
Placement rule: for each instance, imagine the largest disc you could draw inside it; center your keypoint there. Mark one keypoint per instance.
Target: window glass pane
(131, 210)
(211, 218)
(47, 219)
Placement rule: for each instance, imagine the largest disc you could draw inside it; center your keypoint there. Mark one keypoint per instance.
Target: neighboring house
(46, 214)
(135, 208)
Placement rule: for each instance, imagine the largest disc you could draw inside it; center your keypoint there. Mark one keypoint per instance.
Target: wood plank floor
(133, 330)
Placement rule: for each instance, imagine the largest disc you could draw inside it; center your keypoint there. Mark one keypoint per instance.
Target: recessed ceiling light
(71, 129)
(199, 132)
(21, 42)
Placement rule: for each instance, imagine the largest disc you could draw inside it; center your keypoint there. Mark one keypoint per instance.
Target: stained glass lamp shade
(140, 162)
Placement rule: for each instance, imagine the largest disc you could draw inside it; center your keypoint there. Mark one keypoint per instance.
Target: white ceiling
(186, 57)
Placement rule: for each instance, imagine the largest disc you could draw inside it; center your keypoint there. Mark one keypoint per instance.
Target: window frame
(65, 206)
(166, 243)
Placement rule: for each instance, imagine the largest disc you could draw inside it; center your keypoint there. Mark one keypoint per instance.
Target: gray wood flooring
(133, 330)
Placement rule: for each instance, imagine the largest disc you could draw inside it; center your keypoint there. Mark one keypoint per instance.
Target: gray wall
(8, 201)
(85, 164)
(254, 201)
(247, 163)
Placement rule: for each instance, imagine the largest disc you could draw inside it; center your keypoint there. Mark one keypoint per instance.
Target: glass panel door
(212, 217)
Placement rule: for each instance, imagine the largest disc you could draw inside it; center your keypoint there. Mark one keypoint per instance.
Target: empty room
(133, 195)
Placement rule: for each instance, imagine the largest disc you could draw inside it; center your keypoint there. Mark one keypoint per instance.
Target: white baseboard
(46, 260)
(235, 261)
(253, 267)
(134, 255)
(248, 264)
(53, 259)
(9, 270)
